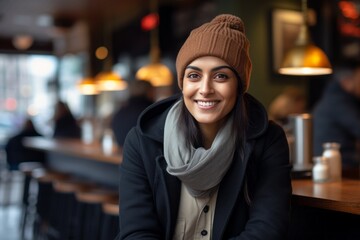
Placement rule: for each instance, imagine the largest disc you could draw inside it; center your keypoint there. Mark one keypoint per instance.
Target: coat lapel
(229, 190)
(172, 191)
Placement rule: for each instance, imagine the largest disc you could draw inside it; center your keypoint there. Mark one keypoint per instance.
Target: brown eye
(221, 77)
(192, 75)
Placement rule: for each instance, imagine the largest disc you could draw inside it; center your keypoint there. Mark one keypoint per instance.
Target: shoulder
(257, 117)
(273, 146)
(152, 120)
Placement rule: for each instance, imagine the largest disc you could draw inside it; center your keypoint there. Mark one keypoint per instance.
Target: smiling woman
(210, 163)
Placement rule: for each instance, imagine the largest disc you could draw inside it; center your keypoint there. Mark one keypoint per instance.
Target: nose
(206, 87)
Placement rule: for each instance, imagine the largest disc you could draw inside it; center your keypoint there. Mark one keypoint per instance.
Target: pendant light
(108, 80)
(88, 86)
(305, 58)
(158, 74)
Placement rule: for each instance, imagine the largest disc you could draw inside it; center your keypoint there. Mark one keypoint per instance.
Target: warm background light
(110, 81)
(101, 52)
(87, 86)
(305, 58)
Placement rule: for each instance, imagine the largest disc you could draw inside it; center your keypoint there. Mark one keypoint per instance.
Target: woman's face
(209, 90)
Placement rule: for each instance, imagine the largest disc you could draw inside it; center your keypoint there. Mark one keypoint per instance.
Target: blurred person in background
(16, 152)
(142, 94)
(65, 124)
(336, 116)
(291, 100)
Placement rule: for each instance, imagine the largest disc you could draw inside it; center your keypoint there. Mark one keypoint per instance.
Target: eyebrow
(213, 69)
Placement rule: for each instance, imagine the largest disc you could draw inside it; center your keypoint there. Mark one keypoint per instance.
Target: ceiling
(41, 18)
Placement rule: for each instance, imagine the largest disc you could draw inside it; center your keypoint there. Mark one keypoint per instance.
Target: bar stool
(29, 192)
(89, 214)
(110, 223)
(44, 179)
(27, 168)
(64, 206)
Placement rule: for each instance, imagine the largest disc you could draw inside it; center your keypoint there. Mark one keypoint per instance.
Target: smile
(206, 103)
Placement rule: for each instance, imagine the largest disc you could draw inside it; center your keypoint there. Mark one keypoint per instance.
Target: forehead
(208, 61)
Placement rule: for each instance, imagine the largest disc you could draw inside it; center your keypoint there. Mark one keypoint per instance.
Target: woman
(207, 164)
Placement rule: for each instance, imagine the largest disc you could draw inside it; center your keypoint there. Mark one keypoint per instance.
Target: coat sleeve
(138, 219)
(269, 213)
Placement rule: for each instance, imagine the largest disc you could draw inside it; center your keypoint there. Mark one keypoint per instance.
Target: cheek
(231, 93)
(188, 90)
(231, 102)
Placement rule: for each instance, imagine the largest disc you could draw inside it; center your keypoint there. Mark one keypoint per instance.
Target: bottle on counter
(87, 132)
(332, 153)
(320, 170)
(108, 142)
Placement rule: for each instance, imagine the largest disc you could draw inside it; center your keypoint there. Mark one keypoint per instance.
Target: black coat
(149, 196)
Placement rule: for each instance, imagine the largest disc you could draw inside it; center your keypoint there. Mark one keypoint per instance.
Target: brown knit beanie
(223, 37)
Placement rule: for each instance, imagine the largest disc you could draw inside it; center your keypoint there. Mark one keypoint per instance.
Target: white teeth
(206, 104)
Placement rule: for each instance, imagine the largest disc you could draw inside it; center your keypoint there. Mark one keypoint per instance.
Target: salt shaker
(320, 170)
(332, 153)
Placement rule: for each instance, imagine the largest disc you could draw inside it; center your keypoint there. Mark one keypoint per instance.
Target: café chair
(44, 179)
(110, 221)
(28, 198)
(62, 218)
(89, 216)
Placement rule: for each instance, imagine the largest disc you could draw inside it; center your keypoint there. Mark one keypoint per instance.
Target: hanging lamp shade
(87, 86)
(305, 59)
(157, 73)
(110, 81)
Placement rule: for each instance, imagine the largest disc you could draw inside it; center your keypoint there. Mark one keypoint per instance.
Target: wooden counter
(341, 196)
(75, 157)
(325, 210)
(73, 147)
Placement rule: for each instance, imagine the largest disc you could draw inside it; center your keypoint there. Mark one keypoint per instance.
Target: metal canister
(301, 148)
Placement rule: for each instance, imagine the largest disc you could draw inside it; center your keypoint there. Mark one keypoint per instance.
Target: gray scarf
(200, 170)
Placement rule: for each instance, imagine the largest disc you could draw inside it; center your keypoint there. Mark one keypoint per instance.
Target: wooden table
(343, 196)
(75, 157)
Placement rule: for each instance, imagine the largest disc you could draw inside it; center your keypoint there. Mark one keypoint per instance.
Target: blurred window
(26, 87)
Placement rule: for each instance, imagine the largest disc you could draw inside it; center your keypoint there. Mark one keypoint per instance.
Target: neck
(208, 132)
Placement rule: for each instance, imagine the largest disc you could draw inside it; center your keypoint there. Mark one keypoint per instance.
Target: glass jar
(320, 170)
(332, 153)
